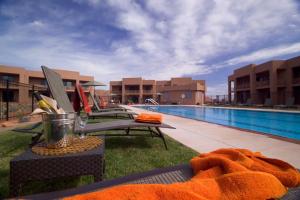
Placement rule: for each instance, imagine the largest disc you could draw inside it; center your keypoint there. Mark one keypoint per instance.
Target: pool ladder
(150, 100)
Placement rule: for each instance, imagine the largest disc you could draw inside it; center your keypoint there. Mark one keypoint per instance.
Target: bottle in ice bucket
(42, 103)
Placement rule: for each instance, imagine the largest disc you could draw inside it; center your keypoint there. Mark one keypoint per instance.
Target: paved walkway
(205, 137)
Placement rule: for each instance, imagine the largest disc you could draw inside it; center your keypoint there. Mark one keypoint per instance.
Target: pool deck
(205, 137)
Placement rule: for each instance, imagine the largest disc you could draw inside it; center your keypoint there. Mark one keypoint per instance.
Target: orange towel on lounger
(149, 118)
(224, 174)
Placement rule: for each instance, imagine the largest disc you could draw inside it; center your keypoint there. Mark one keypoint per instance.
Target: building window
(296, 72)
(166, 96)
(263, 76)
(188, 95)
(7, 78)
(8, 96)
(68, 83)
(44, 82)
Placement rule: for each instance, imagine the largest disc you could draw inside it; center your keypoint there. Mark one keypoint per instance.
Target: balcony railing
(148, 91)
(69, 87)
(39, 88)
(132, 91)
(9, 78)
(296, 80)
(242, 86)
(2, 86)
(38, 84)
(281, 82)
(116, 91)
(262, 83)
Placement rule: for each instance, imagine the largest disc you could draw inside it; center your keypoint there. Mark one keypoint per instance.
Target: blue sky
(155, 39)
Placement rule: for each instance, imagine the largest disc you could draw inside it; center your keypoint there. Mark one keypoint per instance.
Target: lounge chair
(36, 135)
(109, 105)
(267, 103)
(87, 109)
(55, 83)
(289, 103)
(179, 173)
(98, 109)
(95, 103)
(248, 103)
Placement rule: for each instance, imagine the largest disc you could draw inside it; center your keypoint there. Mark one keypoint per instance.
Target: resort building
(22, 94)
(103, 95)
(276, 80)
(175, 91)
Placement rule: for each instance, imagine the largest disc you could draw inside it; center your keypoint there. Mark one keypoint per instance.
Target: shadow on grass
(124, 155)
(14, 142)
(4, 174)
(106, 119)
(57, 184)
(125, 142)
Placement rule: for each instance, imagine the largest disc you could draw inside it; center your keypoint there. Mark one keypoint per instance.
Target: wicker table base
(30, 166)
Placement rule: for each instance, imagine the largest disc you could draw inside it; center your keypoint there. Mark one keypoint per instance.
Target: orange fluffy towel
(224, 174)
(149, 118)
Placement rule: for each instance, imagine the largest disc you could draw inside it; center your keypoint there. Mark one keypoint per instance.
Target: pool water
(274, 123)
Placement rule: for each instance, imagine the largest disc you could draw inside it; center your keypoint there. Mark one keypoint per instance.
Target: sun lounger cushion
(149, 118)
(222, 174)
(85, 101)
(56, 87)
(76, 101)
(118, 124)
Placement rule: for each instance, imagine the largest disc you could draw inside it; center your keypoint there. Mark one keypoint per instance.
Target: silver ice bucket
(58, 129)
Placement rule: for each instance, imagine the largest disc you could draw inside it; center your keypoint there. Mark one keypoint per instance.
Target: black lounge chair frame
(36, 135)
(178, 173)
(55, 83)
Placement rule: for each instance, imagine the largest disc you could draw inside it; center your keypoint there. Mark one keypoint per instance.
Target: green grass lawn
(124, 155)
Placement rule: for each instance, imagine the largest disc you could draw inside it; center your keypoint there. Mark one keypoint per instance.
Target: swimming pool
(274, 123)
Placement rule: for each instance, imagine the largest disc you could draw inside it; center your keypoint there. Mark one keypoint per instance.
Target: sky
(153, 39)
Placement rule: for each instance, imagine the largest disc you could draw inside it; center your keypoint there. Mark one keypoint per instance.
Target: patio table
(30, 166)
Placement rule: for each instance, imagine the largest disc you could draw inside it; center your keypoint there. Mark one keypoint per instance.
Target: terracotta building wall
(278, 80)
(37, 78)
(174, 91)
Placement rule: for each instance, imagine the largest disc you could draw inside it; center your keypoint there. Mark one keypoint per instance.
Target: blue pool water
(275, 123)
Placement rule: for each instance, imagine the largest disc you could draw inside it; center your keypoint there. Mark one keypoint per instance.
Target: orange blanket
(224, 174)
(149, 118)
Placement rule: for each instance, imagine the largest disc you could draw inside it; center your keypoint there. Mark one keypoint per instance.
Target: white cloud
(265, 54)
(37, 24)
(218, 89)
(165, 38)
(90, 2)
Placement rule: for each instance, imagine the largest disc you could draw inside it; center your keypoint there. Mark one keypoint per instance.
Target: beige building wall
(175, 91)
(28, 77)
(278, 80)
